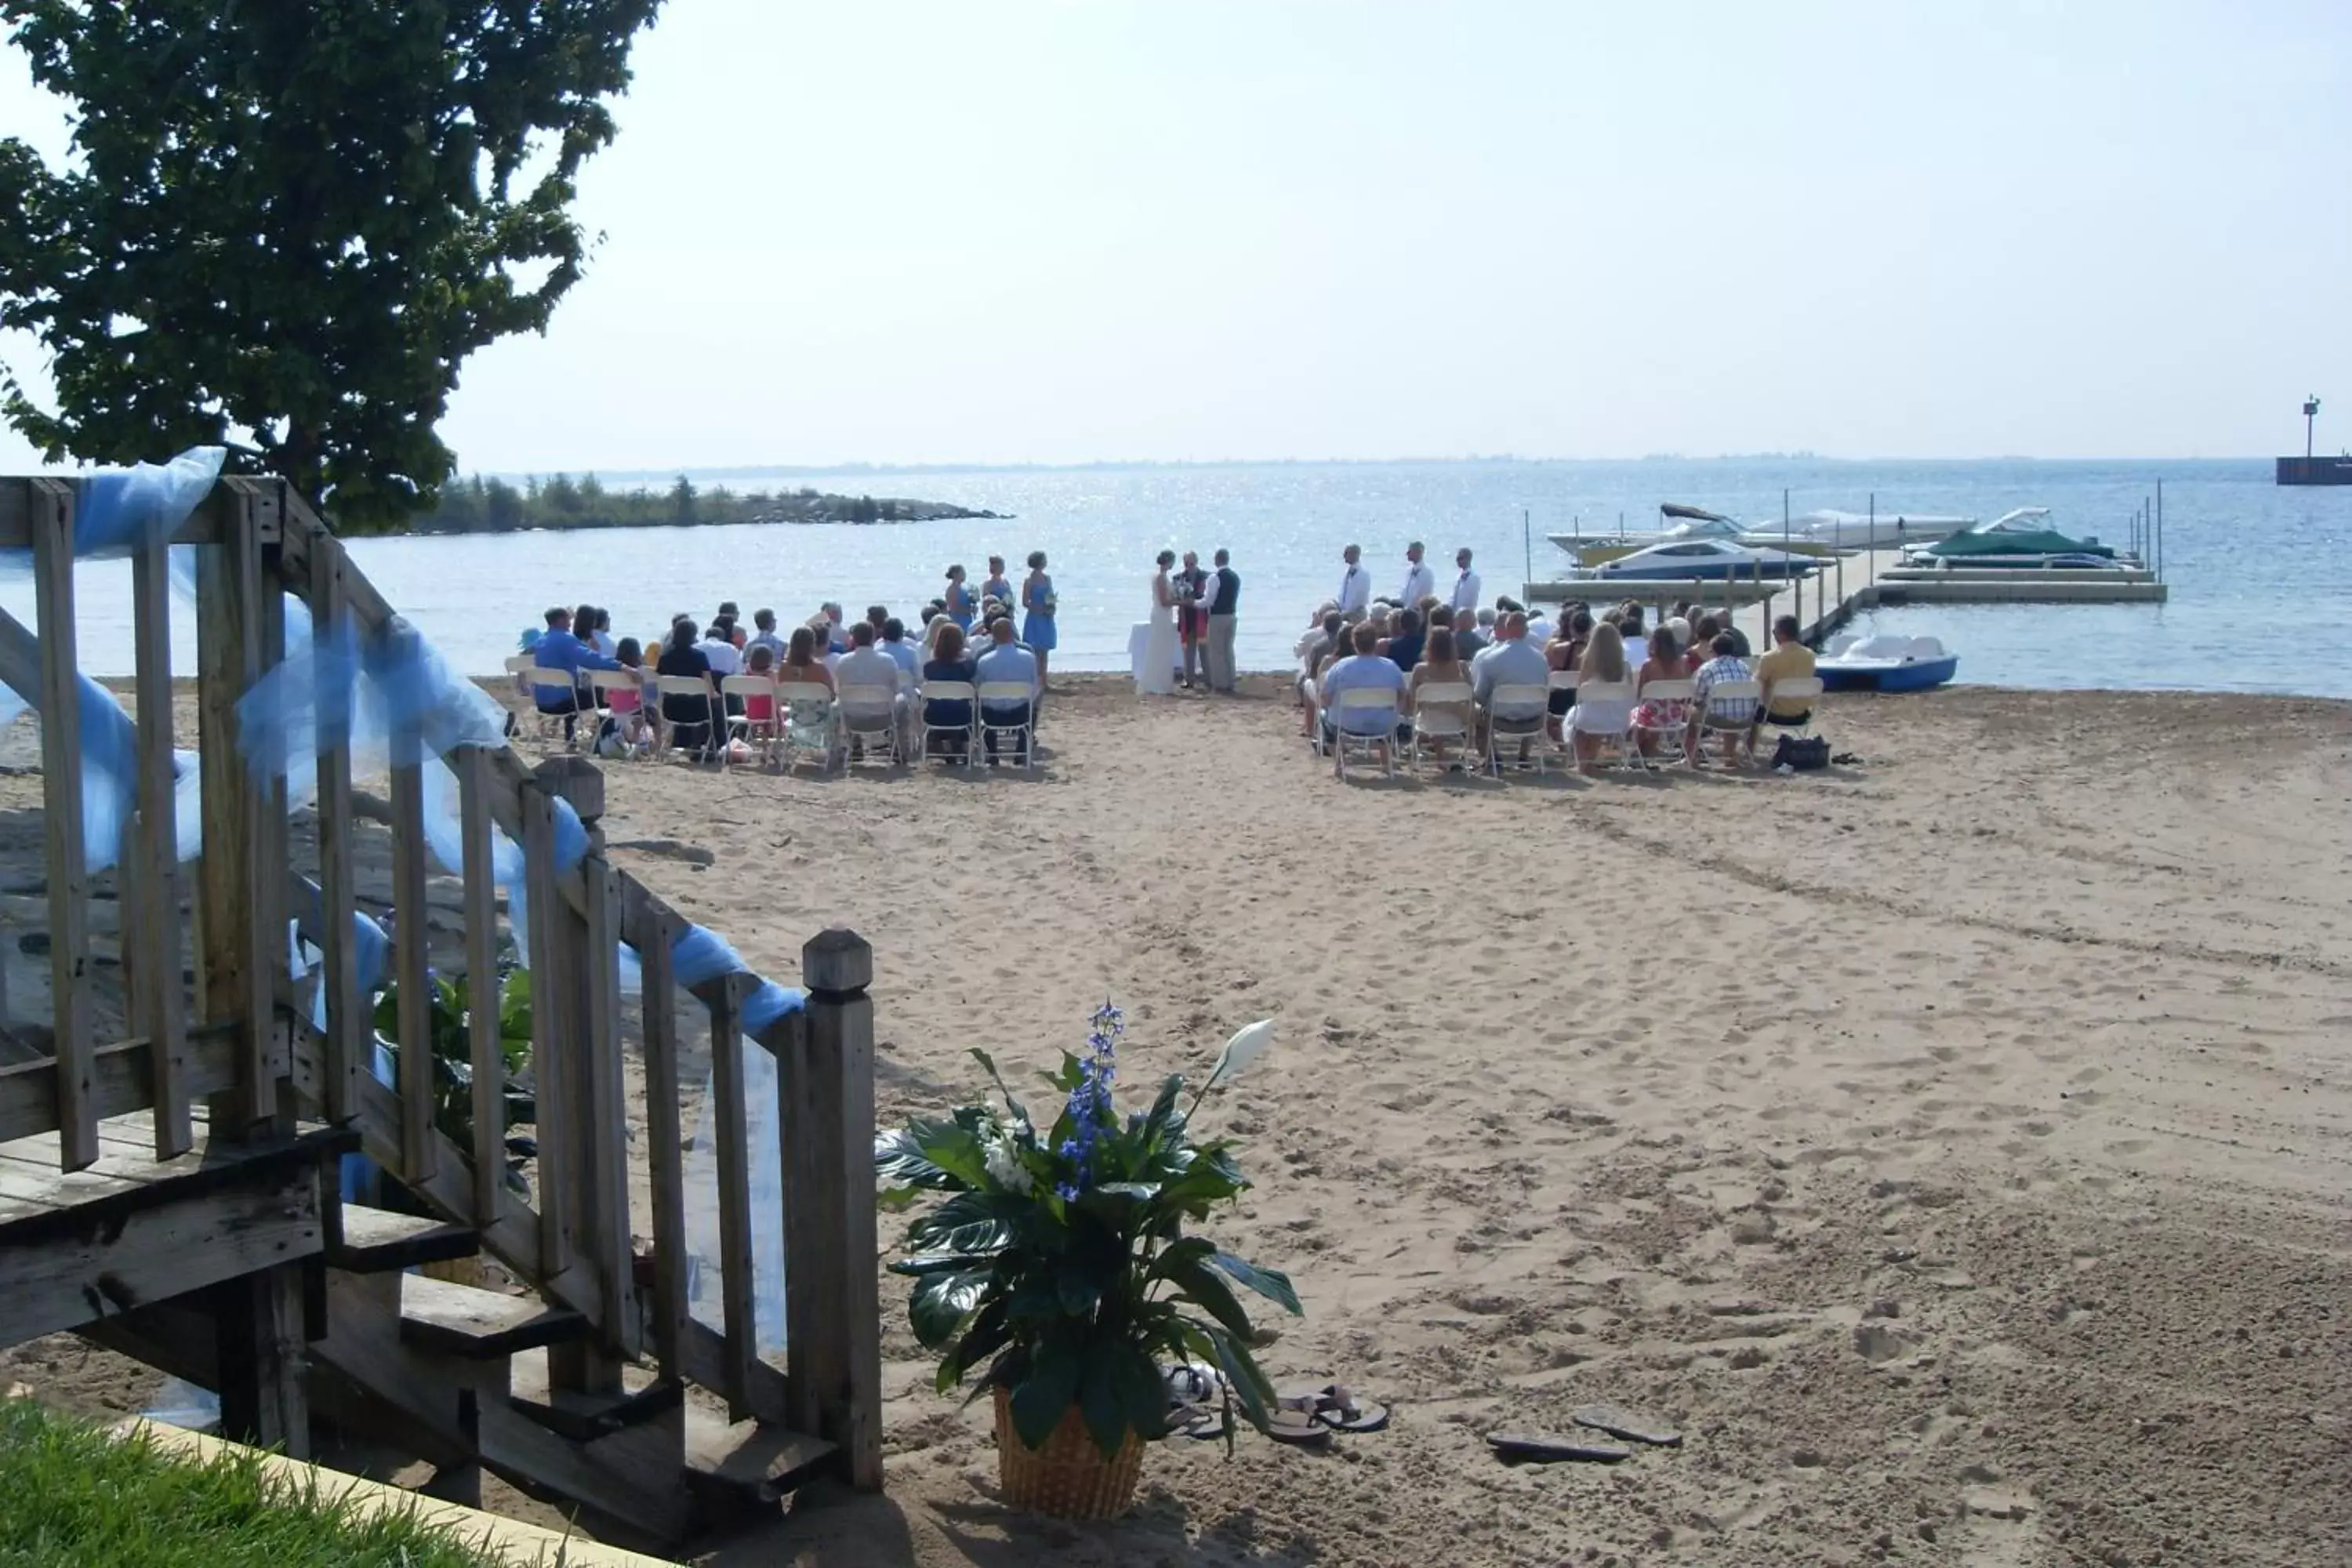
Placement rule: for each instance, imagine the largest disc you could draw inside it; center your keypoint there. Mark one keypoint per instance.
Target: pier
(1859, 580)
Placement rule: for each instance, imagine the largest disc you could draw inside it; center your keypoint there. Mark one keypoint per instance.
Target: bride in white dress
(1158, 676)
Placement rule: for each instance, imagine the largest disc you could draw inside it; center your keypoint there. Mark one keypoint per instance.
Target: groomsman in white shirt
(1465, 587)
(1420, 582)
(1355, 587)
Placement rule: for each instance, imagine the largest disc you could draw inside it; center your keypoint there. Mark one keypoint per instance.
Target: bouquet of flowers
(1059, 1257)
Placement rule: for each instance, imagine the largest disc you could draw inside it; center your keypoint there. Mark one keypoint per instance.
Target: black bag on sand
(1803, 753)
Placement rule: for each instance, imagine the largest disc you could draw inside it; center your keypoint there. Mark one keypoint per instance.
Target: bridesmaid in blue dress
(1037, 625)
(958, 599)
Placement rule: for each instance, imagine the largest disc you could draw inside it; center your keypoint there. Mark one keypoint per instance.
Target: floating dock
(1862, 580)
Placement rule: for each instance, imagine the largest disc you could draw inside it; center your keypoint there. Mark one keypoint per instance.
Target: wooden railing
(254, 1056)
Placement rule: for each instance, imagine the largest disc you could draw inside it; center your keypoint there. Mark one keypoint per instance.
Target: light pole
(2310, 413)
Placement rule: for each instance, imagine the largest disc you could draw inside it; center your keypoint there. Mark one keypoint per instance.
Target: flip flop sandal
(1296, 1426)
(1619, 1422)
(1335, 1407)
(1196, 1421)
(1543, 1449)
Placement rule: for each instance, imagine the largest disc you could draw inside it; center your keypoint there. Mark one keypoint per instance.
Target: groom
(1223, 594)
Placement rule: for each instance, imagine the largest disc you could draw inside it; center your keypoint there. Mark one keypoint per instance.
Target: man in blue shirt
(558, 650)
(1009, 662)
(1364, 671)
(894, 644)
(1511, 660)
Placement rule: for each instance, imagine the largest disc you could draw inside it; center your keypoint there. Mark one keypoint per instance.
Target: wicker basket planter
(1068, 1477)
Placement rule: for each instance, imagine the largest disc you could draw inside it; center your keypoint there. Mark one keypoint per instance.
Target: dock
(1862, 580)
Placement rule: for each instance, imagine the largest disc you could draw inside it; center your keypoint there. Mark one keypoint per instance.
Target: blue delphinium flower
(1090, 1102)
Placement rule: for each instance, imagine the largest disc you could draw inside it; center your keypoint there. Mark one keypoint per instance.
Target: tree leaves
(287, 223)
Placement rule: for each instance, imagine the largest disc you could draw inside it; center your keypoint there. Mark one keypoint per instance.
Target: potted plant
(448, 1014)
(1059, 1261)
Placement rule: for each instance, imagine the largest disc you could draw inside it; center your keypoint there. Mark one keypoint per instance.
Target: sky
(934, 231)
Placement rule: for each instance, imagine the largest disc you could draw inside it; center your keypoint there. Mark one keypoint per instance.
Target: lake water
(2260, 577)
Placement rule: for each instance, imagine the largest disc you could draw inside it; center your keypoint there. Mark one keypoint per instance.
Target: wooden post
(547, 1031)
(605, 1106)
(61, 801)
(410, 958)
(659, 1000)
(259, 1345)
(235, 969)
(162, 1013)
(351, 1023)
(730, 1126)
(486, 1046)
(836, 1359)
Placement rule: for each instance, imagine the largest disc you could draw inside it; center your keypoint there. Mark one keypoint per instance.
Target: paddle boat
(1885, 661)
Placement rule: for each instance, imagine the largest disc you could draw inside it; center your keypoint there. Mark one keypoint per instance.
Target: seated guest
(719, 647)
(876, 615)
(1007, 662)
(1596, 718)
(1316, 631)
(1441, 665)
(1561, 653)
(836, 639)
(1469, 641)
(894, 644)
(1637, 643)
(1405, 639)
(865, 667)
(1730, 627)
(1790, 659)
(765, 637)
(687, 716)
(803, 662)
(1732, 717)
(948, 663)
(628, 704)
(1512, 660)
(1659, 716)
(1312, 651)
(559, 650)
(1363, 670)
(761, 707)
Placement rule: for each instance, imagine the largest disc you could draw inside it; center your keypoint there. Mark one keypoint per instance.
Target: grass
(70, 1494)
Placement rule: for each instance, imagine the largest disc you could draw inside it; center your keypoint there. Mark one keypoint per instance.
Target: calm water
(2261, 577)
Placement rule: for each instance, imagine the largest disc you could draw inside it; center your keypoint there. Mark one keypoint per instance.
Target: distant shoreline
(562, 504)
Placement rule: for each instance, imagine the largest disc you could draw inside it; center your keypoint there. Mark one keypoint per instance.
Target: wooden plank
(659, 1002)
(702, 1355)
(200, 527)
(61, 801)
(411, 957)
(350, 1022)
(503, 1539)
(836, 1364)
(377, 1240)
(121, 1082)
(485, 1044)
(97, 1258)
(607, 1102)
(162, 1012)
(263, 1365)
(462, 1321)
(547, 1030)
(758, 1460)
(234, 965)
(729, 1128)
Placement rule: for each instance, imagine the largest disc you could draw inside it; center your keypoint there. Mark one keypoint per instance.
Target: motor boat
(2019, 538)
(1884, 662)
(1860, 531)
(1714, 558)
(1682, 522)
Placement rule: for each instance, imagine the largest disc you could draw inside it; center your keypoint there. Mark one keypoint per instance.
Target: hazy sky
(1002, 232)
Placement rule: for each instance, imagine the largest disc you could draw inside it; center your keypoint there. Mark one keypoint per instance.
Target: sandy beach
(1955, 1148)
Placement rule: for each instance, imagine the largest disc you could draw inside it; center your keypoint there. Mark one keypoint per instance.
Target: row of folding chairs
(781, 721)
(1444, 714)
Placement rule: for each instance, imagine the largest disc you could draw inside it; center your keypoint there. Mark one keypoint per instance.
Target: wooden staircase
(581, 1376)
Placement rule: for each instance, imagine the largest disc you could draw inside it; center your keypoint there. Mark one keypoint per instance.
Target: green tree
(681, 499)
(287, 222)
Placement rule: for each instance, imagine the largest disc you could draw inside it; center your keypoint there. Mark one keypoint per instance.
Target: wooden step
(585, 1417)
(747, 1462)
(378, 1241)
(462, 1321)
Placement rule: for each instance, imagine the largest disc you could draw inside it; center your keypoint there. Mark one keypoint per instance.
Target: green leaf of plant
(971, 1222)
(985, 1060)
(1272, 1284)
(988, 1332)
(1197, 1286)
(1163, 1117)
(1041, 1400)
(1143, 1396)
(1099, 1400)
(1077, 1290)
(941, 1302)
(1241, 1376)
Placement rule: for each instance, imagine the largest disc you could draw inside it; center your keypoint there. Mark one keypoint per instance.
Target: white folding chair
(963, 691)
(1384, 742)
(1616, 745)
(1528, 731)
(1007, 694)
(605, 684)
(1558, 681)
(668, 686)
(810, 722)
(1747, 694)
(868, 714)
(1805, 689)
(542, 684)
(1674, 698)
(757, 734)
(1444, 710)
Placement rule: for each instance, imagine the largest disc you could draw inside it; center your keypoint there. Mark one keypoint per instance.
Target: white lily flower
(1246, 1045)
(1008, 1171)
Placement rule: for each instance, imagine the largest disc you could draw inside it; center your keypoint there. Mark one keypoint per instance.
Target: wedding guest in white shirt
(1465, 587)
(1420, 582)
(1355, 587)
